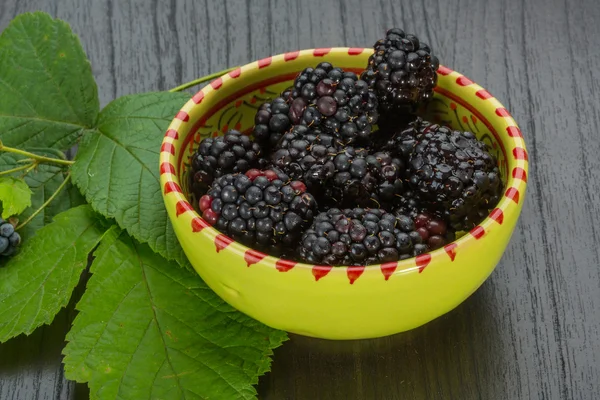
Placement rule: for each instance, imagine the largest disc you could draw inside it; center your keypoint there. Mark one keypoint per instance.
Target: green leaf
(48, 95)
(43, 182)
(116, 167)
(37, 282)
(150, 330)
(15, 196)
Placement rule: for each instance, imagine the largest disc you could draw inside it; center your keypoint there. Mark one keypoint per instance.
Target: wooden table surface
(532, 331)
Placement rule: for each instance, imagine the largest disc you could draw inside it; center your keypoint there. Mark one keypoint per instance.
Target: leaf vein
(133, 355)
(105, 325)
(151, 299)
(38, 118)
(45, 68)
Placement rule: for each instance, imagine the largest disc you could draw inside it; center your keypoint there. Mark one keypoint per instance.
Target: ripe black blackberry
(215, 157)
(307, 155)
(259, 209)
(400, 140)
(360, 237)
(339, 175)
(402, 71)
(454, 173)
(332, 101)
(9, 239)
(364, 180)
(272, 120)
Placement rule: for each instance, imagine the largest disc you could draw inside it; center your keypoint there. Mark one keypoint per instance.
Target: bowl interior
(237, 112)
(231, 101)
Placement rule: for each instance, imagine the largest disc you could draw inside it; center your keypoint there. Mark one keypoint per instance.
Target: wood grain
(533, 329)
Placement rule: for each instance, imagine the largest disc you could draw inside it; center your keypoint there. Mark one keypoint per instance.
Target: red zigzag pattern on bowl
(353, 272)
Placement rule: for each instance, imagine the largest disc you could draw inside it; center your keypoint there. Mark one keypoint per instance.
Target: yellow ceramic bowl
(340, 302)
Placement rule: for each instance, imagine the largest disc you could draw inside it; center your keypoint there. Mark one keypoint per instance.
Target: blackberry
(360, 237)
(454, 174)
(430, 224)
(364, 180)
(307, 155)
(400, 141)
(10, 240)
(332, 101)
(215, 157)
(272, 120)
(402, 72)
(259, 209)
(339, 175)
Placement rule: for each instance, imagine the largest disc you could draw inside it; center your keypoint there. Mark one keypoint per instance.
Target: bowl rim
(507, 206)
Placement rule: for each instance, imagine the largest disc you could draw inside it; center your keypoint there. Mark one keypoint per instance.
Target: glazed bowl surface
(339, 302)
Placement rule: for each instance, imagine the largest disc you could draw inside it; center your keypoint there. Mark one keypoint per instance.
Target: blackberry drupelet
(454, 174)
(433, 230)
(215, 157)
(259, 209)
(360, 237)
(272, 120)
(332, 101)
(10, 240)
(389, 172)
(402, 71)
(407, 203)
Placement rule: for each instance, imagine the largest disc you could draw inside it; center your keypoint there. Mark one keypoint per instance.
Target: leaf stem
(39, 210)
(31, 168)
(22, 167)
(58, 153)
(200, 80)
(38, 158)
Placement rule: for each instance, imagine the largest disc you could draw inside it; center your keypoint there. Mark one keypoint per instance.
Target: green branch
(38, 158)
(17, 169)
(201, 80)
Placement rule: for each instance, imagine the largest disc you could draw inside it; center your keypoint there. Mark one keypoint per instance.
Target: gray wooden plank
(533, 330)
(91, 21)
(564, 194)
(31, 366)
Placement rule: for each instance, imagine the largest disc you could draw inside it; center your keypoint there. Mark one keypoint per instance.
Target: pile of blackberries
(341, 171)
